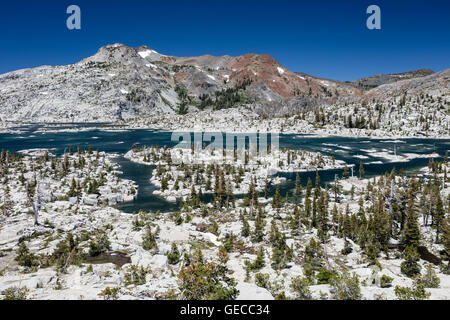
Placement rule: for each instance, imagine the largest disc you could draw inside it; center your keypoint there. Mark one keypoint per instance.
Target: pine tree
(410, 266)
(72, 190)
(314, 213)
(174, 255)
(322, 218)
(230, 197)
(308, 207)
(446, 239)
(259, 262)
(295, 220)
(245, 231)
(276, 201)
(308, 188)
(149, 240)
(346, 225)
(361, 170)
(194, 201)
(298, 188)
(317, 188)
(439, 214)
(335, 219)
(252, 196)
(346, 172)
(258, 234)
(281, 253)
(266, 190)
(411, 231)
(336, 190)
(164, 183)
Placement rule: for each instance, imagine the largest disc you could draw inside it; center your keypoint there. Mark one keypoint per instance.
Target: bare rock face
(249, 291)
(378, 80)
(112, 85)
(121, 83)
(436, 84)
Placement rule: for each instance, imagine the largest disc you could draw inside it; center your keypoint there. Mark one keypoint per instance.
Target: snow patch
(145, 54)
(150, 65)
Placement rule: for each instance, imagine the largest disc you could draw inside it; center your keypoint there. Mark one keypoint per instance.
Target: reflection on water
(378, 155)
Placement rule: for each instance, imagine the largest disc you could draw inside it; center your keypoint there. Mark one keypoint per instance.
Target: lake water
(373, 152)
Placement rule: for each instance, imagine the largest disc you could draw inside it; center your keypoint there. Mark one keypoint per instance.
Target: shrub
(149, 240)
(259, 262)
(410, 266)
(25, 258)
(324, 276)
(15, 293)
(66, 253)
(300, 287)
(229, 242)
(109, 293)
(345, 287)
(178, 218)
(136, 276)
(99, 245)
(174, 256)
(262, 280)
(206, 281)
(417, 292)
(385, 281)
(430, 279)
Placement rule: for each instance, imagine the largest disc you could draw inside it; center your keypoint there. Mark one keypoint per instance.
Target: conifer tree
(346, 172)
(298, 188)
(322, 219)
(361, 170)
(252, 196)
(308, 210)
(258, 234)
(411, 231)
(276, 201)
(174, 255)
(259, 262)
(317, 188)
(335, 219)
(314, 213)
(245, 231)
(446, 240)
(410, 266)
(308, 188)
(266, 190)
(295, 220)
(439, 214)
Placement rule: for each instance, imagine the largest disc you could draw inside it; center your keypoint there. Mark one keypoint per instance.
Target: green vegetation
(345, 287)
(202, 280)
(417, 292)
(15, 293)
(226, 98)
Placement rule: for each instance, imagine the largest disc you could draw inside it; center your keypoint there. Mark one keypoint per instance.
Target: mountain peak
(380, 79)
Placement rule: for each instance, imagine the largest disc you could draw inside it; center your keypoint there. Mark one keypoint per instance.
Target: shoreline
(109, 127)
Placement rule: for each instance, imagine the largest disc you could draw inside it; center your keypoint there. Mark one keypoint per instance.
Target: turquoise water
(121, 141)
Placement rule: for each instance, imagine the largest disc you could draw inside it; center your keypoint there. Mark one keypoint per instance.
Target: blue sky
(323, 38)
